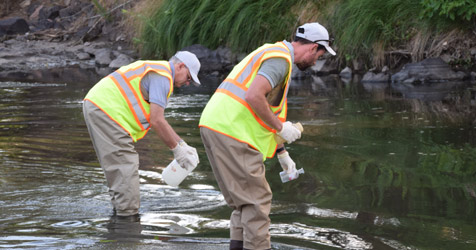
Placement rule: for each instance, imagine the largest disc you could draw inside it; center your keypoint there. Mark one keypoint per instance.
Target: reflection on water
(387, 167)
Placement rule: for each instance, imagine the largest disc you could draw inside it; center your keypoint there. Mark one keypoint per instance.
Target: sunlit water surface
(385, 168)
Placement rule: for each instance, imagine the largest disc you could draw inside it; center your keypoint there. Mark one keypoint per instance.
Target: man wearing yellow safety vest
(238, 126)
(122, 107)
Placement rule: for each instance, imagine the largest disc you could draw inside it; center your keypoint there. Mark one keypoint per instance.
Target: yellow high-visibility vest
(228, 113)
(120, 97)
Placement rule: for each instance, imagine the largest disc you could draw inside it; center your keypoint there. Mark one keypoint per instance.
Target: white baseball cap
(316, 33)
(193, 64)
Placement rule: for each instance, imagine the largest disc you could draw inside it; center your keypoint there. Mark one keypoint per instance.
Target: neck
(298, 51)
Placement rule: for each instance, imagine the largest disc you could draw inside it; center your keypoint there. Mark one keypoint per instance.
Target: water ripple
(71, 224)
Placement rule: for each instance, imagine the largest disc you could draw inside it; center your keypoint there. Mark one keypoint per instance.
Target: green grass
(239, 24)
(359, 24)
(361, 28)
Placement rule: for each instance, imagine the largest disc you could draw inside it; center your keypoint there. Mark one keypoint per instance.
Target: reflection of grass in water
(430, 199)
(394, 170)
(348, 169)
(454, 109)
(414, 186)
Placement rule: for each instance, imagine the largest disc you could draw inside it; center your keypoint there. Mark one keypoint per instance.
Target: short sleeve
(275, 70)
(159, 87)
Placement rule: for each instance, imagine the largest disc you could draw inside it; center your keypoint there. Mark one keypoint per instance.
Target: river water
(386, 167)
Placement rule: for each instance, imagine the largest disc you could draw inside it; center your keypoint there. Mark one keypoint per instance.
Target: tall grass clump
(367, 29)
(241, 25)
(364, 25)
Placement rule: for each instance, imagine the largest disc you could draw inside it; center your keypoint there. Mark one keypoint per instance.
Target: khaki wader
(240, 173)
(119, 160)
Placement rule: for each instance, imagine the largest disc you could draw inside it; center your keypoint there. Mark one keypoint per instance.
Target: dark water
(386, 168)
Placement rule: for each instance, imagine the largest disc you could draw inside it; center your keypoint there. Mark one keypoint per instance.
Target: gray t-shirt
(276, 70)
(155, 87)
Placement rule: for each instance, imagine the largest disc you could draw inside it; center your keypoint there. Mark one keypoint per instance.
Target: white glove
(185, 155)
(287, 163)
(289, 132)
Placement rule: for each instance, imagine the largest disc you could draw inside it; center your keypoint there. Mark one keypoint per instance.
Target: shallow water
(386, 168)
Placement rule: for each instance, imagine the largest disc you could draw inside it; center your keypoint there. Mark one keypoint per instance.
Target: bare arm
(163, 129)
(256, 98)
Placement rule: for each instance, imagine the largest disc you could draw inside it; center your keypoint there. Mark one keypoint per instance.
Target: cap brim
(330, 50)
(196, 82)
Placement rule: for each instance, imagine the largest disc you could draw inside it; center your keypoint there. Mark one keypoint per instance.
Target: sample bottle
(285, 177)
(174, 174)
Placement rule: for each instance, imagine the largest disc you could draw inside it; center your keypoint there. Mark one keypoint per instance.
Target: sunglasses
(330, 41)
(189, 78)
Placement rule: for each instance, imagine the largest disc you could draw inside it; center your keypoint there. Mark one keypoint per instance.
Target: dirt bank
(38, 35)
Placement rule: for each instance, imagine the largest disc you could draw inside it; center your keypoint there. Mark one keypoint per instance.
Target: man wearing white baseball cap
(122, 107)
(192, 63)
(239, 124)
(316, 33)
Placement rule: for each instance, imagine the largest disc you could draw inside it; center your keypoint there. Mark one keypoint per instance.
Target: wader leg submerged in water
(118, 158)
(240, 173)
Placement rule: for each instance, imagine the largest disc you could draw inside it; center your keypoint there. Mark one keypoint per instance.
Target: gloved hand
(287, 163)
(185, 155)
(289, 132)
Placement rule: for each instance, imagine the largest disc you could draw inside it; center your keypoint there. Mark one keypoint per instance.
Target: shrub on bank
(456, 10)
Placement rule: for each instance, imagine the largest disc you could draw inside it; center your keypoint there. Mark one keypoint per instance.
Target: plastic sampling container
(174, 174)
(285, 177)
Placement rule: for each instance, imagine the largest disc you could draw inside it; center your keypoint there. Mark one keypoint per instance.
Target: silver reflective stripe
(249, 68)
(142, 69)
(132, 98)
(239, 92)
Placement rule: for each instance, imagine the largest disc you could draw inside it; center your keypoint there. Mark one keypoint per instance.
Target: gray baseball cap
(193, 64)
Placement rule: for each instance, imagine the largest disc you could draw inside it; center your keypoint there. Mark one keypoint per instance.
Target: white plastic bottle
(285, 177)
(174, 174)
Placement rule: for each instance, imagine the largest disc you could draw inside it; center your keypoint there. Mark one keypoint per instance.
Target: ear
(315, 46)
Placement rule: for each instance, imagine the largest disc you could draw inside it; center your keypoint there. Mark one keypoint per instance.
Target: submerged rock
(427, 71)
(346, 73)
(376, 77)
